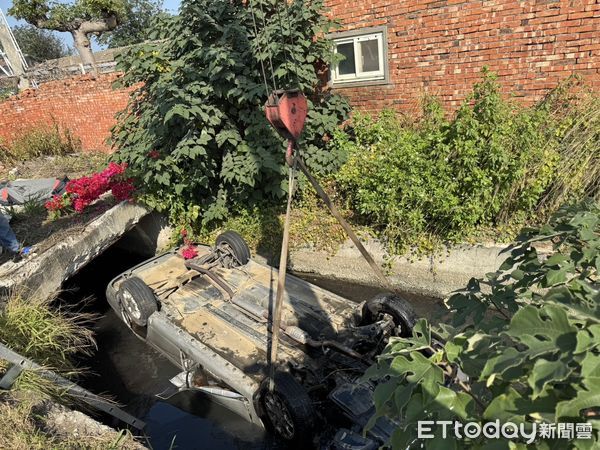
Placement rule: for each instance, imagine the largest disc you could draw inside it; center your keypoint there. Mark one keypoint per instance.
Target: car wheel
(399, 309)
(288, 410)
(236, 245)
(137, 300)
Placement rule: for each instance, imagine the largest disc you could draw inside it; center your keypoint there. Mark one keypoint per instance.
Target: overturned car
(211, 316)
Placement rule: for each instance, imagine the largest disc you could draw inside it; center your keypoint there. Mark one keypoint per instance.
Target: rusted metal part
(303, 337)
(286, 111)
(213, 276)
(347, 228)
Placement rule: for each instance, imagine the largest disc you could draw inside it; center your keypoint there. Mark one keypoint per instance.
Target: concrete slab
(43, 274)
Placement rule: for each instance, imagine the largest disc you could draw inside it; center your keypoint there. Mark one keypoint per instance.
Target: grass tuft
(50, 336)
(40, 140)
(21, 428)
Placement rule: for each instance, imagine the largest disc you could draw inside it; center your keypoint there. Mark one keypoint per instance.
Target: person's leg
(8, 239)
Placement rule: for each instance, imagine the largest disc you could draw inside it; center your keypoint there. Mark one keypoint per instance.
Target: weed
(49, 336)
(30, 208)
(22, 428)
(41, 140)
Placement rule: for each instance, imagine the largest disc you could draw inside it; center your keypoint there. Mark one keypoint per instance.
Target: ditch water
(127, 370)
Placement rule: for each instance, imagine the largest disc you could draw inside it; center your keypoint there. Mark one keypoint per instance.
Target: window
(365, 56)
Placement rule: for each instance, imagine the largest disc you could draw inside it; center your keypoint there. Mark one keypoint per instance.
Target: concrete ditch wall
(44, 274)
(435, 276)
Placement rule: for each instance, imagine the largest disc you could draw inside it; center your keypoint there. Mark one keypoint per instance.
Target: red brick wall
(86, 105)
(440, 46)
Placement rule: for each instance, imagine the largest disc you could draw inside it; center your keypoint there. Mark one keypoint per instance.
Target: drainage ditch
(127, 370)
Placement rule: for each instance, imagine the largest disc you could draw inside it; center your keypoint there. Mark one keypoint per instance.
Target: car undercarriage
(211, 315)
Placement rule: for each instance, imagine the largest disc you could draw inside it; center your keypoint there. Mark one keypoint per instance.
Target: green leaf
(555, 276)
(177, 110)
(588, 339)
(504, 407)
(402, 396)
(451, 405)
(499, 364)
(545, 372)
(545, 330)
(585, 398)
(419, 370)
(384, 392)
(517, 274)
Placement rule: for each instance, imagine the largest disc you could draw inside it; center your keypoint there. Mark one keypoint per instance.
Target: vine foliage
(527, 337)
(194, 135)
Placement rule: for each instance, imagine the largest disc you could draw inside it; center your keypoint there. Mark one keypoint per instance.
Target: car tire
(288, 410)
(137, 301)
(401, 311)
(237, 244)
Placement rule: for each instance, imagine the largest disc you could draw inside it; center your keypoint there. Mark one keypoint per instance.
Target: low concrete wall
(435, 276)
(44, 274)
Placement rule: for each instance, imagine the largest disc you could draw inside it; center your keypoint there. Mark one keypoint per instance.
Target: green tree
(195, 135)
(39, 45)
(81, 18)
(526, 339)
(136, 24)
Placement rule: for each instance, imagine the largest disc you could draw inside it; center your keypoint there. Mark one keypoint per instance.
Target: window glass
(370, 55)
(346, 67)
(363, 54)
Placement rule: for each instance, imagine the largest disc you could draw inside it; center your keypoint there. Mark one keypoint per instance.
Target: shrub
(527, 336)
(194, 135)
(42, 140)
(489, 166)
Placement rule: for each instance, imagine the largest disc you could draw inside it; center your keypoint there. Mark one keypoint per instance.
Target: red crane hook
(286, 111)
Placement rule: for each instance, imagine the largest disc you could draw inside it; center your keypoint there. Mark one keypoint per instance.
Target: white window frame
(356, 37)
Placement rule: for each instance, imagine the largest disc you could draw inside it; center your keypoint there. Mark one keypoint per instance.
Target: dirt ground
(27, 422)
(31, 224)
(72, 166)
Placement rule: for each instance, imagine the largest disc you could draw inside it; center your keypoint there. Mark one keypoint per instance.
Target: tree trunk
(83, 46)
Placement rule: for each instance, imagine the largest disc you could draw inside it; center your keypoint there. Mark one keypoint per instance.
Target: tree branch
(48, 24)
(108, 23)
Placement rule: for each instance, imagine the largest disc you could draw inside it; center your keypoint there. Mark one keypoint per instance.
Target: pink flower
(87, 189)
(189, 252)
(80, 204)
(123, 190)
(154, 154)
(55, 203)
